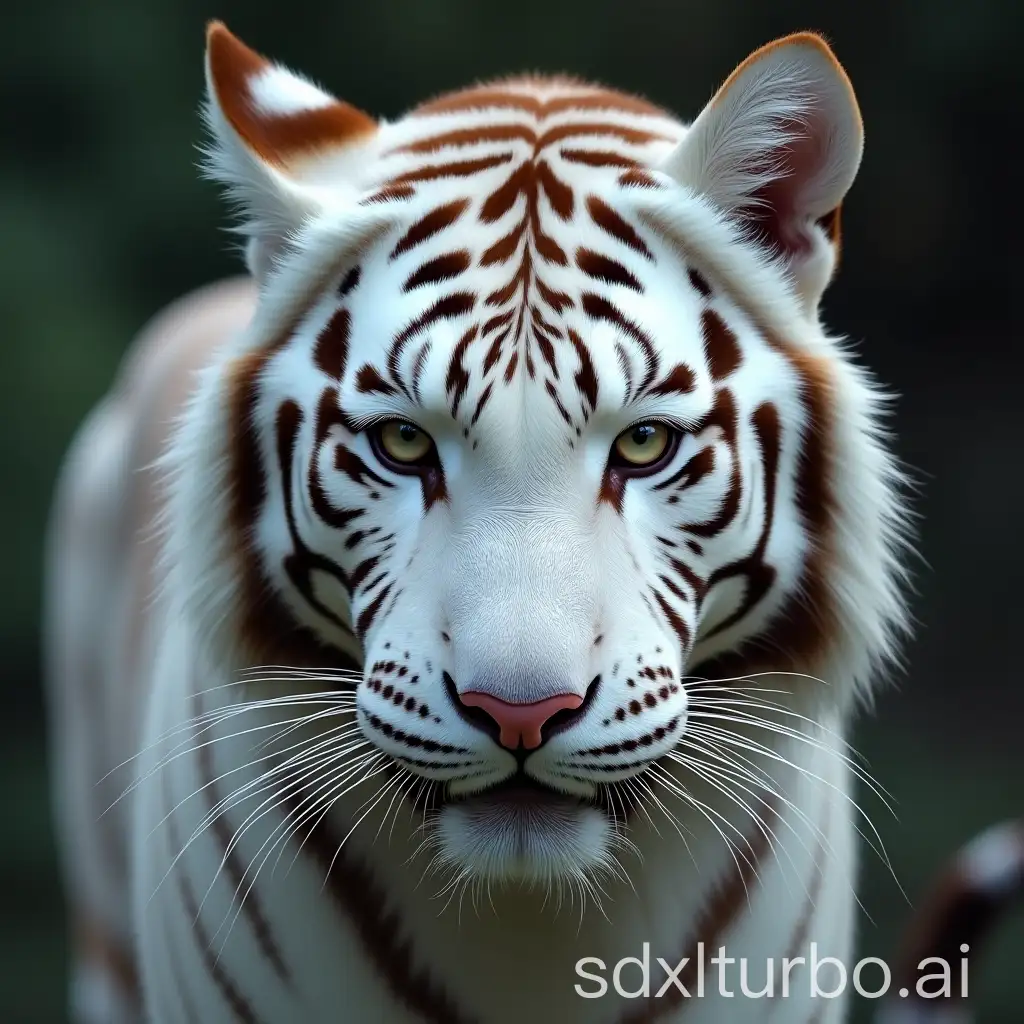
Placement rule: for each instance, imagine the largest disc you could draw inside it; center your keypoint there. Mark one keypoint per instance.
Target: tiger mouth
(522, 793)
(520, 790)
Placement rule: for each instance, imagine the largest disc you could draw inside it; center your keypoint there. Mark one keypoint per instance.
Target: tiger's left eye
(643, 444)
(404, 442)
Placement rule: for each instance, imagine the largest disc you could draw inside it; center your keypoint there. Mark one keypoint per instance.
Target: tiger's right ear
(280, 144)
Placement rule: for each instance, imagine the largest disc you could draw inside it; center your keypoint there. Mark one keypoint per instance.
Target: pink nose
(520, 722)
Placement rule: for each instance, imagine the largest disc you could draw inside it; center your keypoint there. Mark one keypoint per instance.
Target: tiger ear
(279, 143)
(777, 148)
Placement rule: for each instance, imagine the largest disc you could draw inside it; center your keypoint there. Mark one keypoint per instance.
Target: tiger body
(292, 625)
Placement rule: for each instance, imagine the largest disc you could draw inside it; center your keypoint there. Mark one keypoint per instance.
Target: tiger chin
(532, 827)
(513, 524)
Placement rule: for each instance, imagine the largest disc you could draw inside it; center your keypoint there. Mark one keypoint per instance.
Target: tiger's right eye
(643, 444)
(402, 444)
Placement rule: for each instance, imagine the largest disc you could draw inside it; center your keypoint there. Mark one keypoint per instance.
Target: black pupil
(642, 434)
(408, 432)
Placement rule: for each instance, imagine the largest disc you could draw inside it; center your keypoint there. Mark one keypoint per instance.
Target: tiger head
(537, 427)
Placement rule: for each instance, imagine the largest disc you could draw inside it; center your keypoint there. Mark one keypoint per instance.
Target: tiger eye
(642, 444)
(404, 441)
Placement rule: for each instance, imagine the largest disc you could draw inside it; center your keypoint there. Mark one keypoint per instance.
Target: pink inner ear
(782, 213)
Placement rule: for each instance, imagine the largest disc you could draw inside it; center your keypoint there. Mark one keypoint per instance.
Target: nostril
(474, 715)
(516, 725)
(561, 720)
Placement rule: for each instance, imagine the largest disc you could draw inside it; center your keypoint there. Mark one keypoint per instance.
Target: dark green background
(104, 219)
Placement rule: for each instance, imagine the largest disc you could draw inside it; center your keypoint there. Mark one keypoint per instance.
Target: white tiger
(526, 546)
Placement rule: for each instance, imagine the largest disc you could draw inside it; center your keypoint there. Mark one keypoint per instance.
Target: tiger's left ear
(281, 144)
(777, 148)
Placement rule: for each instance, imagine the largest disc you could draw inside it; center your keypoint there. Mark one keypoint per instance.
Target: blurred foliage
(105, 219)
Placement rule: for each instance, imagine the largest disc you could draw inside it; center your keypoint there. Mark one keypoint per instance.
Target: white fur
(520, 570)
(735, 146)
(281, 92)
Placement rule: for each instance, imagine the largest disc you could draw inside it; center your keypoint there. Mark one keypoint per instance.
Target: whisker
(313, 755)
(283, 833)
(301, 771)
(663, 778)
(732, 739)
(198, 726)
(328, 739)
(220, 712)
(769, 727)
(771, 837)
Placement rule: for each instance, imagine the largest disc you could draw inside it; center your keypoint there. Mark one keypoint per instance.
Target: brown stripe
(302, 563)
(380, 929)
(680, 628)
(597, 158)
(803, 926)
(370, 382)
(418, 366)
(180, 982)
(350, 282)
(330, 353)
(240, 1007)
(604, 100)
(559, 194)
(452, 169)
(498, 321)
(760, 575)
(679, 380)
(819, 1014)
(607, 219)
(799, 635)
(503, 198)
(810, 619)
(251, 906)
(510, 366)
(597, 307)
(718, 915)
(604, 268)
(437, 220)
(441, 268)
(468, 137)
(720, 345)
(266, 623)
(639, 178)
(631, 136)
(699, 281)
(388, 194)
(495, 96)
(457, 378)
(369, 613)
(281, 140)
(558, 301)
(266, 626)
(802, 930)
(483, 98)
(93, 943)
(450, 307)
(504, 248)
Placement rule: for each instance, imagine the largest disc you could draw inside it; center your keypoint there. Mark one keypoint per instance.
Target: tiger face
(535, 422)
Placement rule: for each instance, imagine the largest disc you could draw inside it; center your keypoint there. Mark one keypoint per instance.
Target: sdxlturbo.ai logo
(825, 977)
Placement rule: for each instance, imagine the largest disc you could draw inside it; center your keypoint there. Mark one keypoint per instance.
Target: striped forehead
(515, 269)
(593, 335)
